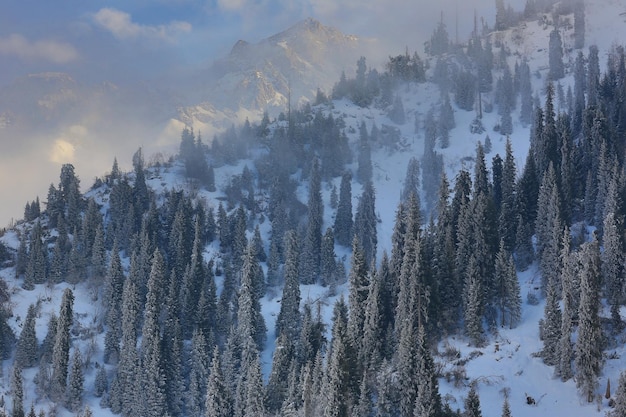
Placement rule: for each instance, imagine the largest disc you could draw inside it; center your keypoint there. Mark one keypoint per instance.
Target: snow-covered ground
(506, 364)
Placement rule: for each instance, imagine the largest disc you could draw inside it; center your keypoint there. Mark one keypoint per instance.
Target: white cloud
(47, 50)
(121, 26)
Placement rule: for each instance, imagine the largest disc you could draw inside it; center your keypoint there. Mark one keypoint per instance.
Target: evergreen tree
(277, 384)
(343, 219)
(588, 351)
(113, 290)
(288, 320)
(579, 24)
(508, 288)
(555, 52)
(199, 366)
(337, 391)
(506, 408)
(472, 403)
(17, 388)
(311, 250)
(359, 288)
(551, 325)
(364, 169)
(218, 401)
(329, 273)
(249, 318)
(365, 223)
(75, 386)
(101, 382)
(26, 351)
(61, 350)
(620, 397)
(548, 228)
(565, 348)
(411, 180)
(473, 303)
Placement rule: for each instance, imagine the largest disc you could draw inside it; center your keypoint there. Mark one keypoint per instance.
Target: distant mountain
(256, 77)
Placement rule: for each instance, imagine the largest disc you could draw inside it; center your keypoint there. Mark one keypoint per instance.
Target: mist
(149, 51)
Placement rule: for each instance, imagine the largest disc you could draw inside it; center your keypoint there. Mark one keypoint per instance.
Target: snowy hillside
(237, 182)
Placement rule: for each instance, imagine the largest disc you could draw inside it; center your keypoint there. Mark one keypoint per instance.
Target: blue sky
(118, 40)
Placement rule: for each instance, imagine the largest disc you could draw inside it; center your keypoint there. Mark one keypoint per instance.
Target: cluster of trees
(175, 346)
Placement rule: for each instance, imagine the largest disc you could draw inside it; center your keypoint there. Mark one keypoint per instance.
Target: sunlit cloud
(121, 25)
(62, 151)
(43, 49)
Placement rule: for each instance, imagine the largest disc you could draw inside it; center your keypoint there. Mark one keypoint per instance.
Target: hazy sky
(117, 39)
(130, 40)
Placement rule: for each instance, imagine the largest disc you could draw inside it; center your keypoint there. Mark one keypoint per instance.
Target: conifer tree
(277, 385)
(75, 386)
(337, 391)
(199, 367)
(250, 322)
(508, 288)
(565, 348)
(620, 397)
(555, 51)
(218, 401)
(329, 273)
(506, 408)
(411, 180)
(101, 382)
(473, 302)
(364, 170)
(113, 290)
(311, 250)
(26, 351)
(548, 228)
(613, 266)
(343, 219)
(472, 402)
(61, 350)
(588, 351)
(17, 388)
(359, 288)
(551, 326)
(365, 223)
(288, 320)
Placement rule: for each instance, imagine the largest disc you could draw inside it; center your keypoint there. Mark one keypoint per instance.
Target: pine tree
(613, 266)
(101, 382)
(565, 348)
(551, 326)
(508, 288)
(17, 388)
(218, 401)
(113, 290)
(548, 228)
(411, 180)
(588, 351)
(75, 386)
(311, 250)
(555, 51)
(359, 288)
(249, 318)
(337, 394)
(473, 303)
(277, 384)
(364, 170)
(506, 408)
(289, 319)
(365, 223)
(26, 351)
(254, 399)
(343, 219)
(328, 268)
(61, 350)
(199, 367)
(620, 397)
(472, 403)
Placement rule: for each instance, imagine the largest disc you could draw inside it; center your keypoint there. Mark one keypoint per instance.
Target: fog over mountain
(90, 81)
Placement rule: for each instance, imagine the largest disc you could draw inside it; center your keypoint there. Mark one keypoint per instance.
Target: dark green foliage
(465, 90)
(26, 353)
(61, 349)
(555, 50)
(365, 222)
(343, 219)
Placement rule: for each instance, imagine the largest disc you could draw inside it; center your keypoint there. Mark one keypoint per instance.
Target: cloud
(122, 27)
(46, 50)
